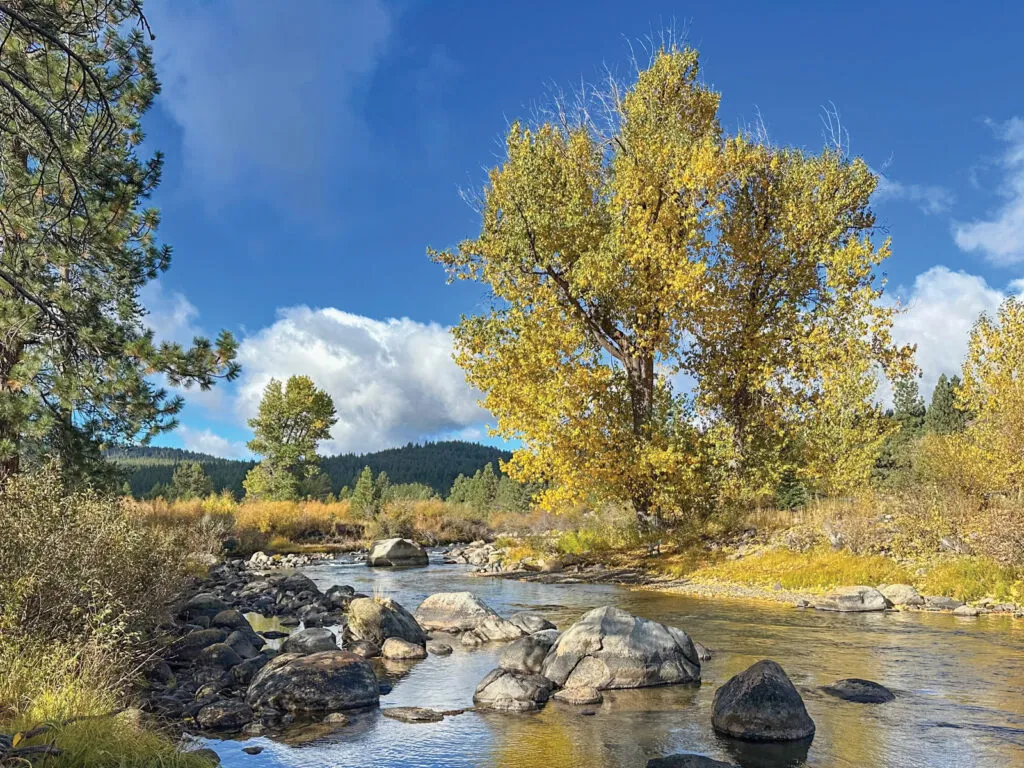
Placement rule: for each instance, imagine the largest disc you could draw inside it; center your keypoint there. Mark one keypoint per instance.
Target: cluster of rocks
(479, 553)
(903, 597)
(261, 561)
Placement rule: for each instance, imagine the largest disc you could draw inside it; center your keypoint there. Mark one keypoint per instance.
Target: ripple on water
(958, 699)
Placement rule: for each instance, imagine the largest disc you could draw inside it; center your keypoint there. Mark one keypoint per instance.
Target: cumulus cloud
(931, 199)
(266, 91)
(940, 310)
(171, 316)
(207, 441)
(392, 381)
(1000, 236)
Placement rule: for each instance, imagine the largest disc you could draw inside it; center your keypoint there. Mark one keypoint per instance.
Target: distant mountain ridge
(436, 464)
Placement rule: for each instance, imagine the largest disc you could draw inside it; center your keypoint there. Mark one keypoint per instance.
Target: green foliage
(369, 494)
(190, 481)
(791, 492)
(78, 242)
(972, 578)
(411, 492)
(908, 407)
(290, 423)
(436, 464)
(944, 417)
(486, 491)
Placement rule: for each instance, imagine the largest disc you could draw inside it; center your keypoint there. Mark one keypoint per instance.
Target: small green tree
(369, 494)
(791, 493)
(944, 417)
(291, 421)
(190, 481)
(908, 407)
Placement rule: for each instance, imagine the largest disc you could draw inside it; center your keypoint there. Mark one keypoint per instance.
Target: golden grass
(815, 571)
(972, 578)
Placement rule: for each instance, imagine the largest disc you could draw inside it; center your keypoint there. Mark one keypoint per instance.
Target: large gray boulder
(377, 619)
(526, 655)
(610, 648)
(329, 681)
(203, 604)
(761, 704)
(901, 594)
(225, 716)
(506, 691)
(396, 552)
(453, 612)
(853, 600)
(312, 640)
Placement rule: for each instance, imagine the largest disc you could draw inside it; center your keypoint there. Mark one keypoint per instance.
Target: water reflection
(958, 688)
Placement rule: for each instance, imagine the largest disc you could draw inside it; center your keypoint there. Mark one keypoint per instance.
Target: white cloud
(267, 91)
(939, 313)
(392, 380)
(206, 441)
(171, 316)
(1000, 237)
(931, 199)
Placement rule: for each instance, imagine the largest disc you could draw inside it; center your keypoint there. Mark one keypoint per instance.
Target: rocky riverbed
(343, 644)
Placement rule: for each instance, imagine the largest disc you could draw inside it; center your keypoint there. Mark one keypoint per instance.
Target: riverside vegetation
(627, 244)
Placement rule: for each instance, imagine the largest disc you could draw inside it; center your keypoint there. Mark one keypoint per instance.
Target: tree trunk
(640, 376)
(9, 432)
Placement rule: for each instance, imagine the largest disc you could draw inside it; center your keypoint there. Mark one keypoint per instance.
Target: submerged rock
(438, 648)
(940, 603)
(413, 714)
(317, 683)
(853, 600)
(363, 648)
(505, 691)
(859, 691)
(761, 704)
(966, 610)
(610, 648)
(377, 619)
(582, 695)
(396, 552)
(687, 761)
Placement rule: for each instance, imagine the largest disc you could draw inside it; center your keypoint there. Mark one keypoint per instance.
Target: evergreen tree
(908, 407)
(368, 494)
(944, 417)
(78, 242)
(791, 493)
(291, 421)
(316, 487)
(190, 481)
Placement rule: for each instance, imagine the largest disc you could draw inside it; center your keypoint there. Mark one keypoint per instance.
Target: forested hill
(435, 464)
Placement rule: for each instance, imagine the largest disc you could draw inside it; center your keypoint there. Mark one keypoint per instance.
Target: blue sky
(313, 156)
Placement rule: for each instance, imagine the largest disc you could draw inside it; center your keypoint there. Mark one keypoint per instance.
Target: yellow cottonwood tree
(992, 391)
(628, 256)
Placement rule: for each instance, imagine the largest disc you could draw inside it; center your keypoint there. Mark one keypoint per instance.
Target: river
(959, 684)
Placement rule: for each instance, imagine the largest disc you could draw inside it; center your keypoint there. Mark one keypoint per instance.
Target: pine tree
(190, 481)
(944, 417)
(908, 407)
(78, 242)
(362, 498)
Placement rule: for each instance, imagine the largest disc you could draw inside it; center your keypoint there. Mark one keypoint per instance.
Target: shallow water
(959, 685)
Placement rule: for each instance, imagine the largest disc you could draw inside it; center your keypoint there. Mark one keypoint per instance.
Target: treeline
(436, 465)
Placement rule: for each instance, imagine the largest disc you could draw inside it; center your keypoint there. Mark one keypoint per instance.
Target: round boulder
(224, 716)
(401, 650)
(610, 648)
(311, 640)
(396, 552)
(526, 655)
(859, 691)
(761, 704)
(506, 691)
(453, 612)
(329, 681)
(901, 594)
(377, 619)
(438, 648)
(853, 600)
(530, 622)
